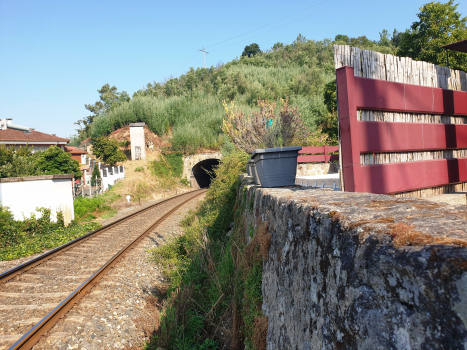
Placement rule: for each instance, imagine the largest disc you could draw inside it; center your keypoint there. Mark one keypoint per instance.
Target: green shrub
(85, 206)
(36, 233)
(26, 244)
(8, 227)
(139, 168)
(175, 162)
(54, 160)
(170, 165)
(96, 174)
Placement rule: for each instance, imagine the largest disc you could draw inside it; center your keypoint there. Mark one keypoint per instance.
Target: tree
(108, 151)
(384, 38)
(109, 98)
(343, 38)
(20, 166)
(277, 46)
(251, 50)
(95, 173)
(439, 24)
(6, 154)
(54, 160)
(397, 38)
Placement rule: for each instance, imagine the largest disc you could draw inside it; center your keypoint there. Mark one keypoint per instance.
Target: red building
(76, 154)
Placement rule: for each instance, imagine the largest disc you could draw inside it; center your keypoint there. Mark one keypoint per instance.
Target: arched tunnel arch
(202, 173)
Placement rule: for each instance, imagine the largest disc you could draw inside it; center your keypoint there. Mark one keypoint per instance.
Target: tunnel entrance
(201, 177)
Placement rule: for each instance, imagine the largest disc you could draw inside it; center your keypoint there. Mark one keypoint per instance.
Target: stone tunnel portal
(202, 173)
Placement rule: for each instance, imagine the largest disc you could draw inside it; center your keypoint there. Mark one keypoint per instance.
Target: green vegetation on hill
(189, 107)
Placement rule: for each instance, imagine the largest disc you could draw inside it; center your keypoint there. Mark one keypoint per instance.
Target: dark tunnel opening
(202, 173)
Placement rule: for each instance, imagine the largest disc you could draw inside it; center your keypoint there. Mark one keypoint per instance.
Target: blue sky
(54, 55)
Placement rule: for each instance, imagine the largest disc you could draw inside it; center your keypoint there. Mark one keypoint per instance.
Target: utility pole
(204, 56)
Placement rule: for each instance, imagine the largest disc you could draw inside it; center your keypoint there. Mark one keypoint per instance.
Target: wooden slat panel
(349, 130)
(419, 99)
(460, 102)
(374, 136)
(401, 137)
(310, 159)
(401, 177)
(376, 94)
(318, 149)
(373, 94)
(305, 150)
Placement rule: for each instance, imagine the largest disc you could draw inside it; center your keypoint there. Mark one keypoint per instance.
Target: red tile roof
(74, 150)
(34, 136)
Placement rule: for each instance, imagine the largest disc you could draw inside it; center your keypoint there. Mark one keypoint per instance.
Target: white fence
(110, 175)
(24, 194)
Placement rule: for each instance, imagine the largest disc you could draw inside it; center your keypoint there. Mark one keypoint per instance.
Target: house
(86, 145)
(17, 136)
(76, 154)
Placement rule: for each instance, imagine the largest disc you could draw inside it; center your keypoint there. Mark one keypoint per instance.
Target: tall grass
(87, 208)
(195, 121)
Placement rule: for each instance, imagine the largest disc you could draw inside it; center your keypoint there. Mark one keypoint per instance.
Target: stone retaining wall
(360, 271)
(310, 169)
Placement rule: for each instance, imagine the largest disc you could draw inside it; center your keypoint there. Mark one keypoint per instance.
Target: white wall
(111, 179)
(24, 195)
(137, 139)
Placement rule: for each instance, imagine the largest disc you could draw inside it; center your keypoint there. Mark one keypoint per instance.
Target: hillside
(190, 107)
(122, 136)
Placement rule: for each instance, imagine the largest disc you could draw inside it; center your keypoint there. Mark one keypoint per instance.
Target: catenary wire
(243, 40)
(282, 26)
(266, 25)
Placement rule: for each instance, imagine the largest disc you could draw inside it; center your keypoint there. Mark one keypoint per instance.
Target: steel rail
(29, 339)
(17, 270)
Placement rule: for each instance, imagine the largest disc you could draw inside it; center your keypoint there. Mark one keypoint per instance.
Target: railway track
(36, 294)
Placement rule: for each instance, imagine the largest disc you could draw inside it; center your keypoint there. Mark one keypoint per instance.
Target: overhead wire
(184, 65)
(266, 25)
(243, 40)
(282, 26)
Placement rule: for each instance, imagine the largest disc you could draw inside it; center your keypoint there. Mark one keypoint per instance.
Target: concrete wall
(24, 194)
(360, 271)
(137, 139)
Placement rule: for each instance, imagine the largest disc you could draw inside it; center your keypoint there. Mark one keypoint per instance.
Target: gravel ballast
(123, 309)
